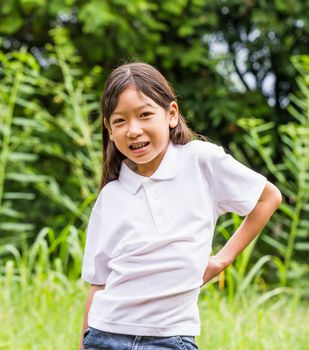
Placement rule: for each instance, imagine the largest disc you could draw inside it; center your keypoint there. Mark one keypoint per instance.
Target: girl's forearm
(92, 290)
(252, 225)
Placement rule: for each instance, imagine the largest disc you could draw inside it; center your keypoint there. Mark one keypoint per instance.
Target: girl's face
(140, 129)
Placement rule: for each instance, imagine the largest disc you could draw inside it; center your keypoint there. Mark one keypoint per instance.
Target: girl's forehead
(132, 92)
(131, 99)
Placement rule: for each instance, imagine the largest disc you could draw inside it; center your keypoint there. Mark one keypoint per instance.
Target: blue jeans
(95, 339)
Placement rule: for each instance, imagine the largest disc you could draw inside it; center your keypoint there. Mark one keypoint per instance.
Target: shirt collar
(167, 169)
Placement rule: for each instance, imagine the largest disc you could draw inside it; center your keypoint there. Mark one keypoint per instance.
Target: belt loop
(137, 340)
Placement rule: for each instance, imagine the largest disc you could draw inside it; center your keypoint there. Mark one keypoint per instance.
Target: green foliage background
(240, 69)
(241, 72)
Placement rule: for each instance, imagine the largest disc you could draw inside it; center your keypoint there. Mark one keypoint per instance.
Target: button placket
(159, 217)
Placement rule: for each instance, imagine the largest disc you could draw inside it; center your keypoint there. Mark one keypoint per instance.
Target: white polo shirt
(149, 238)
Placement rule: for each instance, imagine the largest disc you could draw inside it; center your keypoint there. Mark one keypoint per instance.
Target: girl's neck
(133, 167)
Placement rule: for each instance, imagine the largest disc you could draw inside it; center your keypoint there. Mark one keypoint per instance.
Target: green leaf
(302, 246)
(19, 195)
(26, 177)
(14, 226)
(20, 156)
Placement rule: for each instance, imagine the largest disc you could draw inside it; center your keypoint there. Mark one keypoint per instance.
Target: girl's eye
(145, 114)
(117, 121)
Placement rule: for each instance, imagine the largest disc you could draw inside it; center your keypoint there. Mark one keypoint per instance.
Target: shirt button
(159, 212)
(147, 183)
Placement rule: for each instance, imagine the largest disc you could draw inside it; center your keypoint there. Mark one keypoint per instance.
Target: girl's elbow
(272, 195)
(277, 196)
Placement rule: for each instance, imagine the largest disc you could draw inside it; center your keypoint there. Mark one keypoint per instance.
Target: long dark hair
(149, 81)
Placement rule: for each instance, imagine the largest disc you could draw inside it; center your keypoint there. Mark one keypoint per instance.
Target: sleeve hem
(91, 281)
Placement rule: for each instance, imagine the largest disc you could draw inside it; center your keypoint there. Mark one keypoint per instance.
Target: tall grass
(253, 322)
(42, 296)
(50, 255)
(47, 312)
(42, 303)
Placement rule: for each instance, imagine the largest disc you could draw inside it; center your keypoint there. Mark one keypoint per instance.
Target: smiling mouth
(139, 145)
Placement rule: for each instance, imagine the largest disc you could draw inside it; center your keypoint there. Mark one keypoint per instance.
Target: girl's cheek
(116, 130)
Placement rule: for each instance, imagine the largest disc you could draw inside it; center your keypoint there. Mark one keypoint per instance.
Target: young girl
(150, 232)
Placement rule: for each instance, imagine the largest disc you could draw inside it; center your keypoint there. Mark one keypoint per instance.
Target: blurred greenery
(241, 72)
(199, 45)
(40, 284)
(249, 323)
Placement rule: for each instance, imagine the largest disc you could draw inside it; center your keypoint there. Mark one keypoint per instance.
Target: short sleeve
(95, 263)
(236, 188)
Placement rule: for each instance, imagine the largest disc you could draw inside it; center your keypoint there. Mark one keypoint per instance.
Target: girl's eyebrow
(138, 108)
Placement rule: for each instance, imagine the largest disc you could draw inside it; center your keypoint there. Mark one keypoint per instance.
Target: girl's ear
(106, 123)
(173, 115)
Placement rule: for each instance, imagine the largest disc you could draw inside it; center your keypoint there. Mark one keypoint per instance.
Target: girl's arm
(250, 227)
(92, 290)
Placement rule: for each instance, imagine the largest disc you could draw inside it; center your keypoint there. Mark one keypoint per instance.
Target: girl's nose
(134, 130)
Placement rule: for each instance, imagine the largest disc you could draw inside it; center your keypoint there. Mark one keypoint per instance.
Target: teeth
(139, 146)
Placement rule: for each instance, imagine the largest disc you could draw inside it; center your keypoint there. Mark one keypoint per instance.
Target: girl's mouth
(139, 147)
